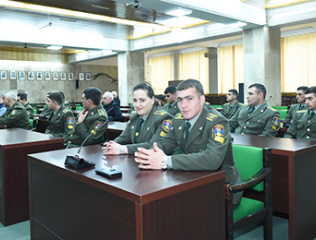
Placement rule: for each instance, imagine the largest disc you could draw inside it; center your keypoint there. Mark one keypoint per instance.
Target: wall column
(262, 61)
(175, 66)
(131, 71)
(213, 70)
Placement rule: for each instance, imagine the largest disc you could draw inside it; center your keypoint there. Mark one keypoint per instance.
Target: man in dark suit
(111, 108)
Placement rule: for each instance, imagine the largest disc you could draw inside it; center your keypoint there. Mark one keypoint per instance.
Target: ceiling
(33, 30)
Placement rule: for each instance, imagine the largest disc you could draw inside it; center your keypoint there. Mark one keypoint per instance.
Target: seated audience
(22, 98)
(111, 108)
(230, 108)
(116, 98)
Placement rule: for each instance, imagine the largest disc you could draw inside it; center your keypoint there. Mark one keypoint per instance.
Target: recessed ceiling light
(53, 47)
(178, 12)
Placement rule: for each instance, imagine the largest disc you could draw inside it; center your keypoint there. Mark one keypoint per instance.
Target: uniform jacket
(228, 112)
(93, 124)
(264, 121)
(16, 117)
(45, 114)
(301, 127)
(29, 110)
(156, 126)
(61, 122)
(171, 108)
(113, 111)
(294, 108)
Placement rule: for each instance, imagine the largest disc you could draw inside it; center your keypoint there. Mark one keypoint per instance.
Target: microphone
(75, 161)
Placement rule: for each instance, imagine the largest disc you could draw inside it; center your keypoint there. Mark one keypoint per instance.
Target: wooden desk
(293, 177)
(126, 117)
(142, 205)
(114, 130)
(15, 144)
(125, 110)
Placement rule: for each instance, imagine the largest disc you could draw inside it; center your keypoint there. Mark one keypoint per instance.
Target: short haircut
(109, 94)
(23, 96)
(191, 83)
(62, 94)
(56, 97)
(148, 89)
(234, 91)
(171, 89)
(303, 88)
(311, 90)
(114, 92)
(160, 97)
(1, 96)
(12, 96)
(94, 94)
(260, 88)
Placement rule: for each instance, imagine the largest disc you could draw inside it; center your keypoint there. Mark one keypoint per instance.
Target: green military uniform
(91, 125)
(29, 110)
(208, 146)
(294, 108)
(66, 104)
(16, 117)
(156, 125)
(171, 108)
(61, 122)
(301, 127)
(264, 121)
(229, 110)
(45, 113)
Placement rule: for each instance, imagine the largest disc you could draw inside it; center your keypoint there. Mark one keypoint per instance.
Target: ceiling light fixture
(54, 47)
(178, 12)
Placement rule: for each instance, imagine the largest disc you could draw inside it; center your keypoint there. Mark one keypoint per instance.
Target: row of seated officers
(197, 138)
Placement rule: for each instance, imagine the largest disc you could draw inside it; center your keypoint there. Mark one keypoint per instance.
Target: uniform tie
(250, 110)
(301, 107)
(138, 129)
(187, 129)
(311, 115)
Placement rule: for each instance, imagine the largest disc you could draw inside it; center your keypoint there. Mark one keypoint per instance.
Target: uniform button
(70, 135)
(308, 129)
(245, 127)
(69, 141)
(247, 122)
(307, 137)
(242, 134)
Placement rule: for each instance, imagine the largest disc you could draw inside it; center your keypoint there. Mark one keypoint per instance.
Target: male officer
(65, 103)
(171, 98)
(258, 118)
(89, 121)
(202, 135)
(111, 108)
(45, 114)
(61, 120)
(3, 107)
(16, 115)
(22, 98)
(300, 96)
(303, 125)
(230, 108)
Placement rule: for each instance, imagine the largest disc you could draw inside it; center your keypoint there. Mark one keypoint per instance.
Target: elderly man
(111, 108)
(3, 107)
(16, 115)
(116, 98)
(22, 98)
(258, 118)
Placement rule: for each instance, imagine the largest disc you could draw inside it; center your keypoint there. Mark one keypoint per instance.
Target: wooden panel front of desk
(15, 144)
(142, 205)
(293, 175)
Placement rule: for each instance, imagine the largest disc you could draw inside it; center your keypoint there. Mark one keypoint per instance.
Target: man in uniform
(3, 107)
(303, 125)
(202, 135)
(62, 120)
(300, 96)
(16, 115)
(90, 121)
(171, 98)
(22, 98)
(230, 108)
(258, 118)
(111, 108)
(65, 103)
(45, 114)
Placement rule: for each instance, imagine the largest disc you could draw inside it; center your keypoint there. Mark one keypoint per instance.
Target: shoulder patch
(211, 116)
(70, 122)
(159, 112)
(13, 112)
(178, 116)
(166, 126)
(218, 133)
(276, 123)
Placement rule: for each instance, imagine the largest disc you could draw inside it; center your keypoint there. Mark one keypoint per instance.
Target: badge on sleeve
(276, 123)
(13, 112)
(166, 126)
(218, 133)
(96, 126)
(70, 121)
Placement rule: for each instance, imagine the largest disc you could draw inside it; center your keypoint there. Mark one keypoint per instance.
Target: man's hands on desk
(113, 148)
(150, 158)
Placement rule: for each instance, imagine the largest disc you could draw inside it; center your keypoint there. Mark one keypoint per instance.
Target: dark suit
(113, 111)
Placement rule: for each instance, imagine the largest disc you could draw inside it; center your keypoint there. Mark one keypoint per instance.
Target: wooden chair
(254, 165)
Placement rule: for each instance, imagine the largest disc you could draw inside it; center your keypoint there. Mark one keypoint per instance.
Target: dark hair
(311, 90)
(62, 94)
(303, 88)
(191, 83)
(171, 89)
(146, 88)
(234, 91)
(160, 97)
(56, 97)
(94, 94)
(260, 89)
(23, 96)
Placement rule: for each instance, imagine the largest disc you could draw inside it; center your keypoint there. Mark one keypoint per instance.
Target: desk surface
(117, 126)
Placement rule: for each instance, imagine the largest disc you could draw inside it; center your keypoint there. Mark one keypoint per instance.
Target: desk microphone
(75, 161)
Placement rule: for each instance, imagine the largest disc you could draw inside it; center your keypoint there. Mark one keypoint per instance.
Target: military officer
(300, 96)
(45, 114)
(257, 118)
(62, 120)
(203, 137)
(90, 121)
(65, 103)
(16, 115)
(303, 125)
(230, 108)
(146, 125)
(22, 98)
(171, 98)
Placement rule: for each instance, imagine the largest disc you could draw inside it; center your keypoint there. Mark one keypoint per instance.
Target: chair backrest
(249, 160)
(280, 107)
(283, 113)
(79, 108)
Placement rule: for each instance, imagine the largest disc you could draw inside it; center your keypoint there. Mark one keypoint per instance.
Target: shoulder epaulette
(225, 104)
(66, 110)
(271, 108)
(302, 111)
(159, 112)
(178, 116)
(211, 116)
